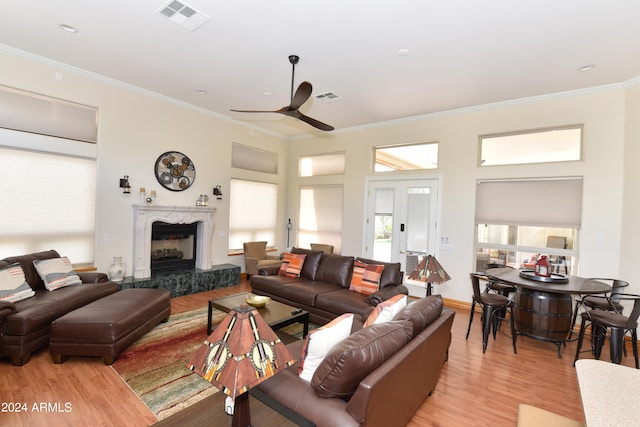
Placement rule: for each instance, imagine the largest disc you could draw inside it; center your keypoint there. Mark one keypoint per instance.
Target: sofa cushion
(291, 265)
(366, 277)
(311, 262)
(13, 285)
(336, 269)
(386, 310)
(26, 262)
(355, 357)
(421, 312)
(270, 283)
(391, 275)
(304, 291)
(340, 300)
(320, 341)
(56, 273)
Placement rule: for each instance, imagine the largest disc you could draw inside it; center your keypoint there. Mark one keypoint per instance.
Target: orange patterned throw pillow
(366, 277)
(291, 264)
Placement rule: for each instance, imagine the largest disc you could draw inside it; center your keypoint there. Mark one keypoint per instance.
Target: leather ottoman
(106, 327)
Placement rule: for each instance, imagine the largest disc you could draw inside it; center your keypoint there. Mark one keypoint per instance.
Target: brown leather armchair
(255, 257)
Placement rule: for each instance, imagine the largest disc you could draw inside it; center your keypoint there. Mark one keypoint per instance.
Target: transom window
(407, 157)
(537, 146)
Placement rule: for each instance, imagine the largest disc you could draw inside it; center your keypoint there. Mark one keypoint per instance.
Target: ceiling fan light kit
(298, 98)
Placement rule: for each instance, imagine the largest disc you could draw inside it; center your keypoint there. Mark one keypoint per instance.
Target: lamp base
(428, 288)
(241, 411)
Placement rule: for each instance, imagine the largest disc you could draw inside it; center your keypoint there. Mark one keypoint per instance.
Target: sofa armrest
(386, 293)
(269, 271)
(274, 257)
(6, 308)
(93, 277)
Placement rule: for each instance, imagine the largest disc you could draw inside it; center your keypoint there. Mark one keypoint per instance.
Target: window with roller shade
(513, 227)
(320, 218)
(252, 213)
(48, 202)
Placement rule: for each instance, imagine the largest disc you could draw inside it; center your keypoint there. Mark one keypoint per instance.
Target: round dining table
(544, 309)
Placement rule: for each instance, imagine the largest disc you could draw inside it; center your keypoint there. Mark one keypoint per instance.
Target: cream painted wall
(603, 116)
(134, 129)
(629, 263)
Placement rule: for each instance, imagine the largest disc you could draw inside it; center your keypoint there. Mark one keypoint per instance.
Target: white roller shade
(29, 112)
(254, 159)
(538, 203)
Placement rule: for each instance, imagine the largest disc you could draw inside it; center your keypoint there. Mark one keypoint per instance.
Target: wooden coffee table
(276, 314)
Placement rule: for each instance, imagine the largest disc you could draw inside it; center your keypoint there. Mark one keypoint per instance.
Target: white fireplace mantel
(146, 215)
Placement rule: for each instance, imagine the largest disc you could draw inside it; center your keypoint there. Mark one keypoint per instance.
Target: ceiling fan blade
(315, 123)
(302, 94)
(255, 111)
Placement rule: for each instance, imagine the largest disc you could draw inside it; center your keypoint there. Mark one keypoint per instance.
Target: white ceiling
(462, 53)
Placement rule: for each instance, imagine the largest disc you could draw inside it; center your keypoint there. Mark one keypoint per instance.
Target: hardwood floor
(475, 389)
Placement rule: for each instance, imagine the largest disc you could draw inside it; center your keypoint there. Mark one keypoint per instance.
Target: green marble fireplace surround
(189, 281)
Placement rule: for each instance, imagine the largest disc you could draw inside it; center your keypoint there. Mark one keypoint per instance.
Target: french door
(401, 220)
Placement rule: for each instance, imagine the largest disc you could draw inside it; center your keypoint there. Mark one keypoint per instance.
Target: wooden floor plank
(475, 389)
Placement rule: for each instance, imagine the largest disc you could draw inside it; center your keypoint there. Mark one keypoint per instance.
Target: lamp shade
(429, 270)
(241, 352)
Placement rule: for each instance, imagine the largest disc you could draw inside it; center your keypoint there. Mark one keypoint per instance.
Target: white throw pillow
(56, 273)
(320, 341)
(13, 286)
(386, 310)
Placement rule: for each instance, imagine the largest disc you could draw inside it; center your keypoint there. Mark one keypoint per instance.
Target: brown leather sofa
(379, 376)
(25, 325)
(323, 286)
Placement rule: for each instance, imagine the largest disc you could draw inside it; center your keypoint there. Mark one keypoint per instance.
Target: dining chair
(600, 303)
(492, 304)
(603, 320)
(499, 287)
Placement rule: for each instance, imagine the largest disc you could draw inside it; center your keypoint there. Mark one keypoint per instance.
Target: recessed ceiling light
(68, 28)
(201, 91)
(267, 94)
(403, 52)
(587, 67)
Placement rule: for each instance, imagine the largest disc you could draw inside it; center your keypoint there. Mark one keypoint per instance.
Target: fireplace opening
(173, 246)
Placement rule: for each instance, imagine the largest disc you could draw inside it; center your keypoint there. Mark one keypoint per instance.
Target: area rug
(154, 366)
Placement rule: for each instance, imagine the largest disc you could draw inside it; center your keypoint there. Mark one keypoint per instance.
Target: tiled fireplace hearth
(203, 277)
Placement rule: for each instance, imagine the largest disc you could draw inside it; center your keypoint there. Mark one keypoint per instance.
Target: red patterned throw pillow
(291, 264)
(366, 277)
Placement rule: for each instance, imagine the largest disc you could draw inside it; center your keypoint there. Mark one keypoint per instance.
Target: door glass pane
(383, 224)
(418, 209)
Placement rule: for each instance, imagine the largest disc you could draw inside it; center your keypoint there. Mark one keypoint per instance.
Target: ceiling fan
(301, 96)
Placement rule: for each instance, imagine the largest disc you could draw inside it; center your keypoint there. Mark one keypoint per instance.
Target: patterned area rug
(154, 366)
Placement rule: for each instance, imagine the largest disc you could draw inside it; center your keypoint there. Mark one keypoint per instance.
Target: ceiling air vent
(183, 15)
(328, 97)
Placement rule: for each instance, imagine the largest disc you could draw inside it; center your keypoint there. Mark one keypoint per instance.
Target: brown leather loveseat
(323, 286)
(25, 325)
(378, 376)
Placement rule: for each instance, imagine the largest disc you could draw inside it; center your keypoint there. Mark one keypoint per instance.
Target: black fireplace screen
(173, 246)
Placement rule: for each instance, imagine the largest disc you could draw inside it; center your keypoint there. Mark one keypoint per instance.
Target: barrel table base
(543, 315)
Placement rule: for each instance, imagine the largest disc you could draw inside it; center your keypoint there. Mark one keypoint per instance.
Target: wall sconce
(217, 191)
(124, 184)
